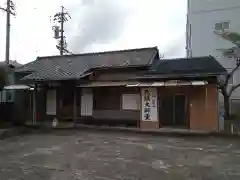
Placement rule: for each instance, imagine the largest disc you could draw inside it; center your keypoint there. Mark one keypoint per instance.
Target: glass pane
(225, 25)
(218, 26)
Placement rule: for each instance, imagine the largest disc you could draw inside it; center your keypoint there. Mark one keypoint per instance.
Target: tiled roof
(74, 66)
(184, 66)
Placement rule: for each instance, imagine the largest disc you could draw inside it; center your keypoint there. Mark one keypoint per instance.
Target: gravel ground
(69, 155)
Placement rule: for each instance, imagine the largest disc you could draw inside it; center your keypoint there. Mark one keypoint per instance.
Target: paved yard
(69, 155)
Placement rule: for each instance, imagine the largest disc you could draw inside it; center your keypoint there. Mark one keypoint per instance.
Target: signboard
(149, 104)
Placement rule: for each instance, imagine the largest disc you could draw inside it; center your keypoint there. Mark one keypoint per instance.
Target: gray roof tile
(74, 66)
(195, 65)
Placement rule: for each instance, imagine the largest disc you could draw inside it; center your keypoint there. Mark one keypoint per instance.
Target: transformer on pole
(58, 30)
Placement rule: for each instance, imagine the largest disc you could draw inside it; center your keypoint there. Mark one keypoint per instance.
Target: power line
(10, 10)
(60, 18)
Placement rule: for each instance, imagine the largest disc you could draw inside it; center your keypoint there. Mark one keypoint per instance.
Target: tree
(233, 53)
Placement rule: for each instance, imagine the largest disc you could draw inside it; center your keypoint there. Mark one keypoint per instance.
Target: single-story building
(129, 86)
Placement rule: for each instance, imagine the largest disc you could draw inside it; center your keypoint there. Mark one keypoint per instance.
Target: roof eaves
(155, 72)
(155, 76)
(190, 58)
(34, 77)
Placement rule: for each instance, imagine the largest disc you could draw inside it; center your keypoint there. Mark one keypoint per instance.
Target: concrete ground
(92, 155)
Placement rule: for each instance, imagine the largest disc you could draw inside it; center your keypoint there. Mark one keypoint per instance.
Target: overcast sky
(96, 25)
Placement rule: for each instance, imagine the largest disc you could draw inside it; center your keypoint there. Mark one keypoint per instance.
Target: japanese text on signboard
(147, 108)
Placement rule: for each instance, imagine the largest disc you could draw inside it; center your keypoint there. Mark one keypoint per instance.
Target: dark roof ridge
(188, 65)
(187, 58)
(97, 53)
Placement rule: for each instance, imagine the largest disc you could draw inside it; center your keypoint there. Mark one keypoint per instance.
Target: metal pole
(62, 22)
(8, 32)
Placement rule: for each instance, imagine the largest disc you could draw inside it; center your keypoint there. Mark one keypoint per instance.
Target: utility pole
(61, 18)
(62, 30)
(9, 10)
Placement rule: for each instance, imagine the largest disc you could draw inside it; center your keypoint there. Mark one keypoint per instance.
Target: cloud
(96, 25)
(96, 22)
(176, 49)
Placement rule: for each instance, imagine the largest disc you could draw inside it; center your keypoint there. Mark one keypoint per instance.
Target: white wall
(202, 15)
(197, 6)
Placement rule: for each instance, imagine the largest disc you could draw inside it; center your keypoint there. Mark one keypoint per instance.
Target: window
(219, 26)
(131, 101)
(234, 106)
(231, 80)
(225, 25)
(234, 80)
(107, 98)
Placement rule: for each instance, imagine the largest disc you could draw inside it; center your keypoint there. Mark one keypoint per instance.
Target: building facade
(203, 18)
(127, 87)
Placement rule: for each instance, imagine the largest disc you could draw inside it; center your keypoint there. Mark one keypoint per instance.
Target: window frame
(102, 97)
(216, 26)
(135, 106)
(222, 23)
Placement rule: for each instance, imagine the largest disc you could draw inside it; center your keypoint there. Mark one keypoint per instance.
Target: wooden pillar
(34, 104)
(75, 106)
(206, 102)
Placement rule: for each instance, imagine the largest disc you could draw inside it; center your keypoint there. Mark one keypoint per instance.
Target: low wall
(116, 114)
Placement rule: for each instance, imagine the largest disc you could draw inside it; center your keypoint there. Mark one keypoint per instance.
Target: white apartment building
(203, 18)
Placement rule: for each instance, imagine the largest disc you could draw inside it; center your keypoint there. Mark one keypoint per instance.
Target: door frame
(186, 109)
